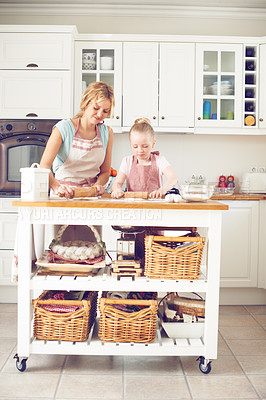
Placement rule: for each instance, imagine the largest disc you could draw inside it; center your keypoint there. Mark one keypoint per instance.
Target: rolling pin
(136, 195)
(83, 192)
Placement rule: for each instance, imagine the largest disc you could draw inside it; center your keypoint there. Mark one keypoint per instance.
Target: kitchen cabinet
(262, 87)
(240, 244)
(35, 94)
(99, 61)
(219, 89)
(158, 83)
(8, 223)
(36, 72)
(35, 51)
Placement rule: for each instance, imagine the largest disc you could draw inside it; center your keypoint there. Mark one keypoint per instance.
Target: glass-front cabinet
(219, 85)
(99, 61)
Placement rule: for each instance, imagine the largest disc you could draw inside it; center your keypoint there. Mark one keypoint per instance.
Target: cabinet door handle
(199, 118)
(117, 117)
(31, 115)
(163, 117)
(154, 117)
(261, 119)
(32, 66)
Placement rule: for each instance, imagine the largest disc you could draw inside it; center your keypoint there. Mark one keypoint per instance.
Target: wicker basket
(72, 326)
(164, 260)
(184, 305)
(121, 326)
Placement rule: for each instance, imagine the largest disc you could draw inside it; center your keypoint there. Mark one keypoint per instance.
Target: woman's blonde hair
(142, 125)
(96, 91)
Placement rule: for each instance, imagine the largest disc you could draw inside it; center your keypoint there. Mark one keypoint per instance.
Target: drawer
(8, 227)
(6, 205)
(35, 51)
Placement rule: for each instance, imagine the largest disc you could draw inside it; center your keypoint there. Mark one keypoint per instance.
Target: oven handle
(25, 138)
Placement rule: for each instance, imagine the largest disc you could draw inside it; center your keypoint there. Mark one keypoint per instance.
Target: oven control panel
(21, 126)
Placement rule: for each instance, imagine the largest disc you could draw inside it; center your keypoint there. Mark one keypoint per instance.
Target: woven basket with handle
(121, 326)
(70, 326)
(77, 251)
(165, 259)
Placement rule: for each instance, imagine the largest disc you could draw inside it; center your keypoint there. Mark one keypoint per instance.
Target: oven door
(18, 151)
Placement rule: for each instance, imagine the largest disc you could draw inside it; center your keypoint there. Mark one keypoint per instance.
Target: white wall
(208, 155)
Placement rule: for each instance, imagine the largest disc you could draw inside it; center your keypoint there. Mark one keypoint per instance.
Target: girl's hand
(100, 189)
(156, 194)
(117, 194)
(64, 191)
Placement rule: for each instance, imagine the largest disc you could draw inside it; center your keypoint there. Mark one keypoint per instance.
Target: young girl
(80, 148)
(144, 170)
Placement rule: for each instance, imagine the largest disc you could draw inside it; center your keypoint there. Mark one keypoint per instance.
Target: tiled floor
(238, 373)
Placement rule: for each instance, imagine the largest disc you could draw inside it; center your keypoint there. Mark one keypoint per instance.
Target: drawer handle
(261, 119)
(117, 117)
(31, 115)
(32, 66)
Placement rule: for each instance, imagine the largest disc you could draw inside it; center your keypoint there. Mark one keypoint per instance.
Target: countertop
(239, 196)
(107, 202)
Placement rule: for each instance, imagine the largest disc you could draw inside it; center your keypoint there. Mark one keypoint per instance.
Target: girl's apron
(83, 162)
(143, 178)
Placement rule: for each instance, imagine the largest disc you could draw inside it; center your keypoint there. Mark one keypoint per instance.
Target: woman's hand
(100, 189)
(117, 194)
(156, 194)
(64, 191)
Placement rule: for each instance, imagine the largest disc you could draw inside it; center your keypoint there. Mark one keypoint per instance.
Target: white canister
(34, 183)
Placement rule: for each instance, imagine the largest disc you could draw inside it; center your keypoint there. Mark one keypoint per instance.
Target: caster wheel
(204, 368)
(21, 365)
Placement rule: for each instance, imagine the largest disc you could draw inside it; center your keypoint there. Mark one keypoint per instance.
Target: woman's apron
(83, 162)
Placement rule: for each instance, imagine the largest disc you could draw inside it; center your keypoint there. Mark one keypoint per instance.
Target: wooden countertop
(239, 196)
(107, 202)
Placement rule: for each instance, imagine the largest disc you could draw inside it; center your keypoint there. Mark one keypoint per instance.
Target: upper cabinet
(99, 61)
(38, 51)
(219, 90)
(158, 83)
(36, 74)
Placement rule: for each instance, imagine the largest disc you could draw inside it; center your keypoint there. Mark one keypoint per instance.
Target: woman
(79, 149)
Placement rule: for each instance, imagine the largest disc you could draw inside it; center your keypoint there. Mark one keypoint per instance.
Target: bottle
(249, 93)
(250, 52)
(249, 80)
(250, 120)
(249, 106)
(206, 109)
(250, 66)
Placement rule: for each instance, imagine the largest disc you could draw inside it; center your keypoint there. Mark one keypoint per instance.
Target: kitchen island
(207, 216)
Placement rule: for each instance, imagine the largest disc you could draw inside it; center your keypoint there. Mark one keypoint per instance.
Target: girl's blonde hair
(142, 125)
(96, 91)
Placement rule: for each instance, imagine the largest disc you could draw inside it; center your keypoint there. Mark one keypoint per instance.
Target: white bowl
(224, 190)
(107, 62)
(88, 64)
(181, 330)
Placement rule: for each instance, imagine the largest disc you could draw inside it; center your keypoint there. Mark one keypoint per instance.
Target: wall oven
(22, 142)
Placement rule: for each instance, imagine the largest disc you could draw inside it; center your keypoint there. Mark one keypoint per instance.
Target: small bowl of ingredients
(196, 192)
